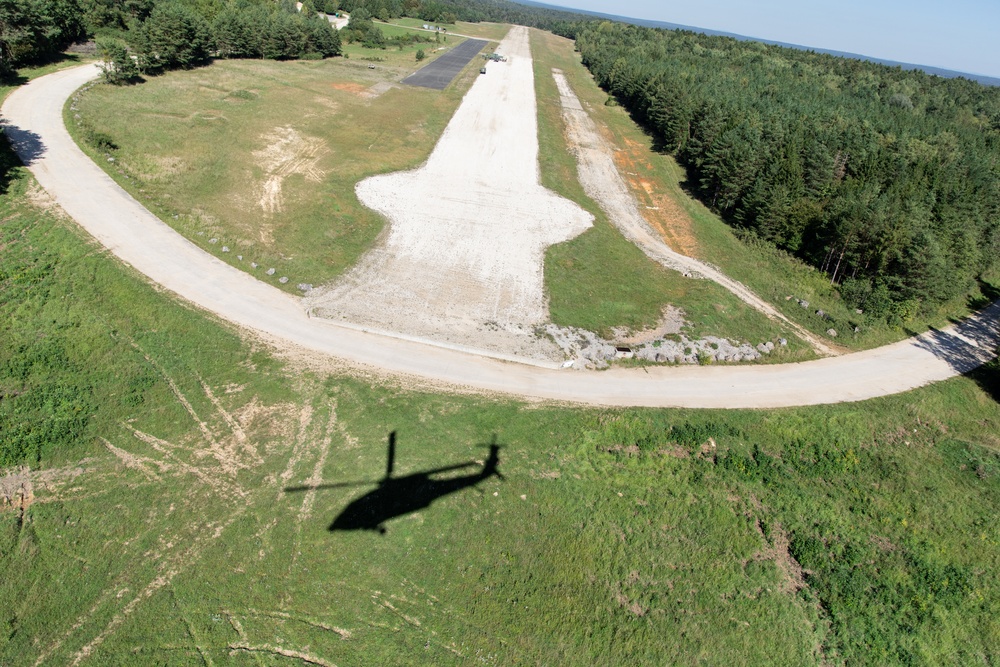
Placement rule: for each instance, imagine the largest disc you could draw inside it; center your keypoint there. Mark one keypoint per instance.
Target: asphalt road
(439, 73)
(33, 120)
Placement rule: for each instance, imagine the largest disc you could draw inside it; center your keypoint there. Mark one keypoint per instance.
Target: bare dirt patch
(659, 209)
(286, 152)
(671, 323)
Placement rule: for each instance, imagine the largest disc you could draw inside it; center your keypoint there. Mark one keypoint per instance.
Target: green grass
(188, 145)
(160, 533)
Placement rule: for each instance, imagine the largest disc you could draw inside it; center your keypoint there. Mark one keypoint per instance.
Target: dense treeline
(887, 180)
(169, 34)
(31, 30)
(563, 23)
(153, 35)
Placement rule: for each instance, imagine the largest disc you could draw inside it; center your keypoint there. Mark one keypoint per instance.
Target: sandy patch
(659, 209)
(461, 260)
(286, 152)
(350, 87)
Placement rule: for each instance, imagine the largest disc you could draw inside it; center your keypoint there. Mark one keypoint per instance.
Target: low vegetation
(151, 521)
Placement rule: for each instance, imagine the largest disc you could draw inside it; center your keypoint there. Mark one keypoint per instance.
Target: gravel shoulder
(33, 121)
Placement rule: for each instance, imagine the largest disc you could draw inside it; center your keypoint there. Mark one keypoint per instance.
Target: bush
(173, 37)
(420, 55)
(119, 67)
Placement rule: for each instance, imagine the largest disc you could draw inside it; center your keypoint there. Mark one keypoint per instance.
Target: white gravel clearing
(462, 257)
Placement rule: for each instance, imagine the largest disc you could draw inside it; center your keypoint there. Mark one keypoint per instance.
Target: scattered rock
(253, 265)
(782, 342)
(803, 303)
(270, 272)
(832, 333)
(588, 350)
(858, 311)
(225, 248)
(239, 257)
(283, 279)
(857, 329)
(821, 314)
(210, 240)
(305, 287)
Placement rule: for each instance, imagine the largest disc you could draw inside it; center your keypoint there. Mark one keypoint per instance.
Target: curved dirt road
(33, 120)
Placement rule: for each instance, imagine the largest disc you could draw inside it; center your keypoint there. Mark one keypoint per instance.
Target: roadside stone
(763, 349)
(283, 279)
(782, 342)
(270, 272)
(832, 333)
(305, 287)
(769, 345)
(210, 240)
(804, 303)
(225, 248)
(253, 265)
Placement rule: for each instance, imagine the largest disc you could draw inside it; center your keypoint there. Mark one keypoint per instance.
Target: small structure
(482, 70)
(622, 352)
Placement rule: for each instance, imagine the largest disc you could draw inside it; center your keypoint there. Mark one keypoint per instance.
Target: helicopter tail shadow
(397, 496)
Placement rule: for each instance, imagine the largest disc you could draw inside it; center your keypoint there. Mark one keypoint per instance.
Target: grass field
(491, 31)
(263, 156)
(153, 446)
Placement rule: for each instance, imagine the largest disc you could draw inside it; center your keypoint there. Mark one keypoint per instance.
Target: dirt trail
(34, 123)
(602, 181)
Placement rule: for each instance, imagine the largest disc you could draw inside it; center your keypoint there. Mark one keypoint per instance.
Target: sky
(962, 35)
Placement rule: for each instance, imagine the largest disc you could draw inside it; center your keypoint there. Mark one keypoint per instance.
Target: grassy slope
(617, 537)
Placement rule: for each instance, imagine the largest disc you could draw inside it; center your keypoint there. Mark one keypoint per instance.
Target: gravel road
(33, 120)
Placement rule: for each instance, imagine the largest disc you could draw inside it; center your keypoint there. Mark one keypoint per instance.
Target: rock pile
(588, 350)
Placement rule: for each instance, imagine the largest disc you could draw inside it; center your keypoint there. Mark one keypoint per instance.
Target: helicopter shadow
(397, 496)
